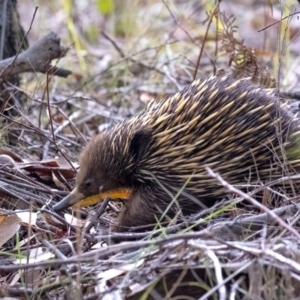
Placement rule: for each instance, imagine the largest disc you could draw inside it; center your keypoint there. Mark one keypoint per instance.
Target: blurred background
(125, 52)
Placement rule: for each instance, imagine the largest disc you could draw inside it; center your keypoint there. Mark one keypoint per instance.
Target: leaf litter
(215, 254)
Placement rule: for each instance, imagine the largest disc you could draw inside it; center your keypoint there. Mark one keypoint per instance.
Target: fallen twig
(36, 58)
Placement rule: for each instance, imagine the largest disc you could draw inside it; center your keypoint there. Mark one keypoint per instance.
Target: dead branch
(248, 198)
(36, 59)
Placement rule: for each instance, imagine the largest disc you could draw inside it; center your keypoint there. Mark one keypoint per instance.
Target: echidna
(237, 129)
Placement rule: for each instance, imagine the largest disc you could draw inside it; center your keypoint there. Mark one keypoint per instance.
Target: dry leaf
(75, 221)
(27, 217)
(105, 276)
(9, 226)
(45, 167)
(57, 181)
(36, 255)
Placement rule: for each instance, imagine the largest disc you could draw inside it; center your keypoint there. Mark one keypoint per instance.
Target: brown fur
(237, 129)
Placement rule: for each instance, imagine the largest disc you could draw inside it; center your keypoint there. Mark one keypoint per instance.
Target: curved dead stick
(36, 59)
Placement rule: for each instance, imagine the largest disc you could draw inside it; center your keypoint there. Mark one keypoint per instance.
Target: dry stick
(290, 15)
(27, 245)
(97, 215)
(51, 120)
(204, 39)
(218, 273)
(49, 107)
(52, 249)
(39, 131)
(212, 230)
(230, 188)
(27, 182)
(216, 42)
(255, 221)
(19, 192)
(125, 58)
(60, 128)
(18, 291)
(14, 194)
(60, 219)
(114, 43)
(55, 143)
(176, 21)
(227, 279)
(103, 253)
(176, 284)
(71, 123)
(128, 57)
(35, 58)
(207, 211)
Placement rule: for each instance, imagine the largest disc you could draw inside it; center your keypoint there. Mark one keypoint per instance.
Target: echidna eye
(88, 184)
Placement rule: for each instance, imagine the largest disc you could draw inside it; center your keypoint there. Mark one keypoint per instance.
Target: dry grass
(120, 61)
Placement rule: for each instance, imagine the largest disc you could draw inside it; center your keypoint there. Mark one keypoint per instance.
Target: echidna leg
(137, 212)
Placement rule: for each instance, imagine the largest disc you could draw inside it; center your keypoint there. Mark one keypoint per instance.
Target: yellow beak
(77, 200)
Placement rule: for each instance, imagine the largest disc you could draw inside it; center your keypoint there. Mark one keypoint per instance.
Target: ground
(122, 54)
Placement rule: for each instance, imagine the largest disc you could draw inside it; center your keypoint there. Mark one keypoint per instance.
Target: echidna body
(237, 129)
